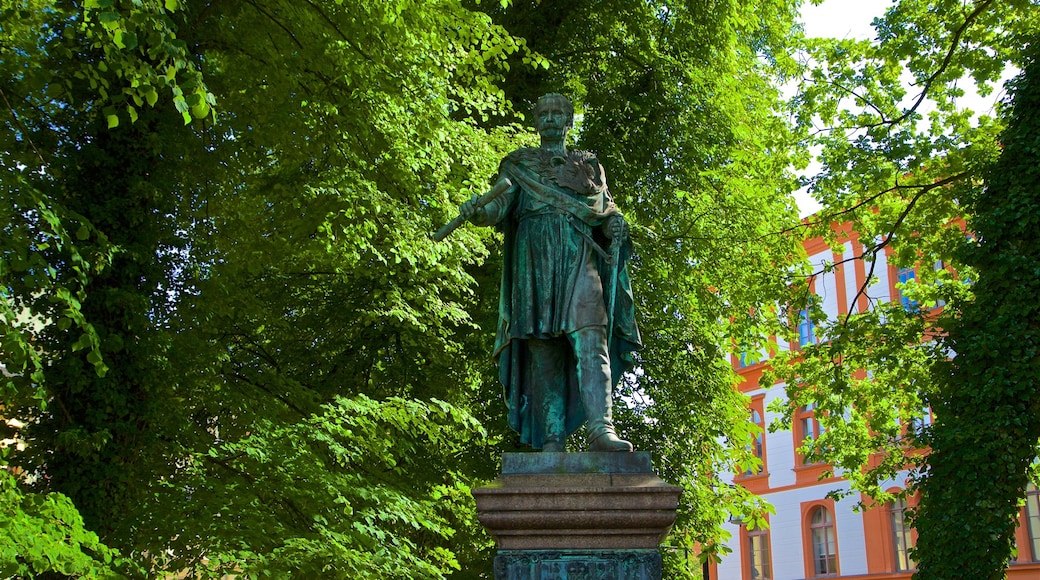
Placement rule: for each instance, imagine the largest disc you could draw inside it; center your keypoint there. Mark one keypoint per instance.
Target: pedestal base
(578, 565)
(577, 516)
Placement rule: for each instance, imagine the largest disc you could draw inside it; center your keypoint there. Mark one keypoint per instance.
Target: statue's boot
(550, 396)
(602, 436)
(609, 441)
(553, 424)
(590, 348)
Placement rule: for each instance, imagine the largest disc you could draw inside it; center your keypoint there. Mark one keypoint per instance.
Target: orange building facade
(811, 536)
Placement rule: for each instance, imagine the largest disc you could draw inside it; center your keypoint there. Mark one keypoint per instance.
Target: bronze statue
(566, 328)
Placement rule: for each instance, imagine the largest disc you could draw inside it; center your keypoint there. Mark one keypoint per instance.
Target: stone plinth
(577, 515)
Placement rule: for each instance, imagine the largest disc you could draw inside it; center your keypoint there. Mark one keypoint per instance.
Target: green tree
(293, 366)
(338, 154)
(312, 295)
(901, 166)
(62, 74)
(43, 533)
(316, 275)
(989, 392)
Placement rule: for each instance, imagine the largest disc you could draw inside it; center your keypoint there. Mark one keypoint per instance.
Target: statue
(566, 328)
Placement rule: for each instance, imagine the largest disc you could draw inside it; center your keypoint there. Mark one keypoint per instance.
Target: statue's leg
(547, 357)
(590, 350)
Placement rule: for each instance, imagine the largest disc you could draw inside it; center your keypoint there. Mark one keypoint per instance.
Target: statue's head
(553, 116)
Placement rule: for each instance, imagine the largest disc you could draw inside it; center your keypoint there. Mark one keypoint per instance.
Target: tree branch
(926, 88)
(25, 130)
(879, 246)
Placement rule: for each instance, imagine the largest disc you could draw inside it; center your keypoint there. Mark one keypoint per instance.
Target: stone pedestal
(577, 516)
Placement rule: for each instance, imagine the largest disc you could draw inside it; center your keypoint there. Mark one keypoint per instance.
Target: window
(758, 554)
(757, 445)
(918, 424)
(808, 427)
(824, 544)
(905, 275)
(751, 355)
(902, 541)
(1033, 518)
(940, 265)
(806, 335)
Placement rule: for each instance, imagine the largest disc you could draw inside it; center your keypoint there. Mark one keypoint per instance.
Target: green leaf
(125, 39)
(84, 341)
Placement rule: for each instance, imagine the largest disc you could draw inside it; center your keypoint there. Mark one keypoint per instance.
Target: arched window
(758, 554)
(1033, 519)
(902, 540)
(824, 544)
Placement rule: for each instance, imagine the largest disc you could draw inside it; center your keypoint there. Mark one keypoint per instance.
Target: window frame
(806, 328)
(1033, 521)
(917, 425)
(748, 570)
(757, 481)
(803, 417)
(759, 443)
(904, 275)
(809, 528)
(901, 535)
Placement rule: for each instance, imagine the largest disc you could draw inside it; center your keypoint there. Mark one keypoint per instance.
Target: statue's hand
(471, 211)
(616, 229)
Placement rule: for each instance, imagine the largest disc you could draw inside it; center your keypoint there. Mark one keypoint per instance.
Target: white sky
(842, 18)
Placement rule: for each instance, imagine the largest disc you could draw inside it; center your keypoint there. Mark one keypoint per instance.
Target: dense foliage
(236, 351)
(988, 398)
(904, 164)
(896, 169)
(679, 102)
(233, 344)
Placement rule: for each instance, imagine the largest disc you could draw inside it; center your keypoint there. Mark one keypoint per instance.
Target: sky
(842, 18)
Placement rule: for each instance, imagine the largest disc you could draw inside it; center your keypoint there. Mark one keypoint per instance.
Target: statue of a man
(566, 328)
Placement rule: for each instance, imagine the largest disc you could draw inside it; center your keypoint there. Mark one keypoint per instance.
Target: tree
(901, 166)
(986, 405)
(356, 149)
(43, 533)
(286, 349)
(347, 237)
(312, 295)
(60, 64)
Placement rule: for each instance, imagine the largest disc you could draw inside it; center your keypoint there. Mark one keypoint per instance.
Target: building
(811, 536)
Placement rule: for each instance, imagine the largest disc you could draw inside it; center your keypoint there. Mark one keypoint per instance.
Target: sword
(501, 187)
(615, 257)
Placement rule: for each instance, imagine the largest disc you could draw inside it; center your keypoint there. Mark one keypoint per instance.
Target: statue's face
(552, 120)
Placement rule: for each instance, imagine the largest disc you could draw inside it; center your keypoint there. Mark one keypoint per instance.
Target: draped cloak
(554, 281)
